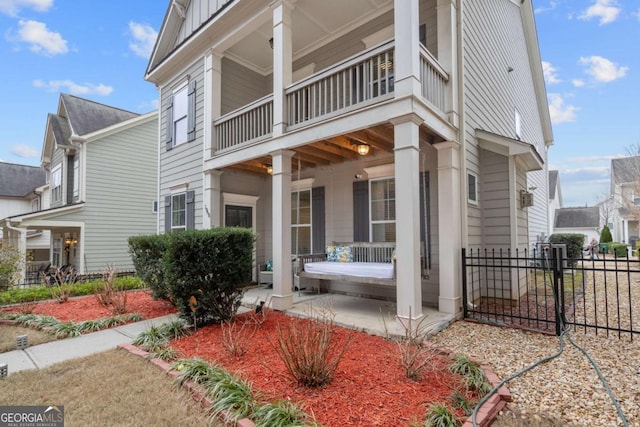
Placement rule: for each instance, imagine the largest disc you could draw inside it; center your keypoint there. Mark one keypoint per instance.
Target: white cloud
(559, 112)
(550, 75)
(605, 10)
(12, 7)
(591, 159)
(577, 82)
(144, 38)
(41, 40)
(22, 150)
(74, 88)
(601, 69)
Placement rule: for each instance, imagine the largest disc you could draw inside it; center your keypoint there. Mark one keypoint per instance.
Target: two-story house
(101, 169)
(22, 191)
(419, 122)
(625, 193)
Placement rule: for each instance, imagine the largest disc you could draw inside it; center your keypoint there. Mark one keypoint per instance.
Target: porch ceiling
(334, 150)
(314, 23)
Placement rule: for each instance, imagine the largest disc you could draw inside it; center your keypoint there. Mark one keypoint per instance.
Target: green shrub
(147, 253)
(618, 249)
(575, 243)
(211, 265)
(440, 415)
(605, 235)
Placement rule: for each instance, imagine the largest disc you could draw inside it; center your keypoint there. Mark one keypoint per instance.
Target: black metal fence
(545, 291)
(37, 275)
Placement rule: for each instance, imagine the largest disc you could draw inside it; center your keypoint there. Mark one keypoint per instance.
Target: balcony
(363, 80)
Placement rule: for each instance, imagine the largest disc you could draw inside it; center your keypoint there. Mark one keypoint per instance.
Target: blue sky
(99, 50)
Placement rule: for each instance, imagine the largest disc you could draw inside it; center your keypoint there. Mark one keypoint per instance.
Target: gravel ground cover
(566, 390)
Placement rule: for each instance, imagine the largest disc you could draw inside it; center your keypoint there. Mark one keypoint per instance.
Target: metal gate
(546, 291)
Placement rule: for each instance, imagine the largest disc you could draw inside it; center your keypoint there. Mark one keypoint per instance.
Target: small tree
(11, 260)
(605, 235)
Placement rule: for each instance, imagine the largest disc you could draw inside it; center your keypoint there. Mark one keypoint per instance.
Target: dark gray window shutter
(191, 210)
(191, 113)
(425, 214)
(167, 214)
(361, 211)
(169, 125)
(317, 216)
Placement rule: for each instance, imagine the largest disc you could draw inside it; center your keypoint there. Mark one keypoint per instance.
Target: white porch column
(449, 220)
(212, 200)
(625, 231)
(282, 298)
(448, 54)
(282, 62)
(212, 99)
(407, 176)
(406, 61)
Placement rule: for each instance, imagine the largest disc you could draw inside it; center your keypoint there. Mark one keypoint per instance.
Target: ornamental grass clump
(279, 413)
(473, 375)
(439, 415)
(232, 398)
(310, 349)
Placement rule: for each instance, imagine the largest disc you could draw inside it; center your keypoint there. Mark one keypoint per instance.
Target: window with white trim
(180, 112)
(56, 252)
(179, 211)
(472, 188)
(56, 184)
(382, 205)
(35, 204)
(76, 178)
(301, 222)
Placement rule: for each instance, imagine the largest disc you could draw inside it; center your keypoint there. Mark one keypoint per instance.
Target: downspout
(22, 232)
(464, 232)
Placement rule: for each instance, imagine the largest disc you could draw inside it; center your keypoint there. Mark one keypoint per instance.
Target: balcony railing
(251, 123)
(342, 87)
(434, 80)
(362, 80)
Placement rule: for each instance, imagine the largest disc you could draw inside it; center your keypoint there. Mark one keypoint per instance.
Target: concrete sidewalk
(47, 354)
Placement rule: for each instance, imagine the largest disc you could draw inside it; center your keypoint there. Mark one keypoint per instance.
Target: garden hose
(565, 331)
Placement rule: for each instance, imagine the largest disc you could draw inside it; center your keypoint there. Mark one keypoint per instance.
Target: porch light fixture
(269, 168)
(361, 147)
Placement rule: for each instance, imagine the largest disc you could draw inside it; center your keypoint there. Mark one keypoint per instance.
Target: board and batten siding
(197, 13)
(121, 187)
(182, 165)
(494, 44)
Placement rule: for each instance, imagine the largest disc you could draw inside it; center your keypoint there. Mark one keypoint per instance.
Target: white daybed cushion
(379, 270)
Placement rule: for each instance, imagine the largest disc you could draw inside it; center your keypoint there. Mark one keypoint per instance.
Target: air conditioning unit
(526, 199)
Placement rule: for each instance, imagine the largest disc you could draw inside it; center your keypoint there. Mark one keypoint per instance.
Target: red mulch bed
(368, 389)
(88, 308)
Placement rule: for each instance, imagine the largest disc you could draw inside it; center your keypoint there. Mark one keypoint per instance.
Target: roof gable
(625, 169)
(588, 217)
(84, 116)
(20, 180)
(553, 183)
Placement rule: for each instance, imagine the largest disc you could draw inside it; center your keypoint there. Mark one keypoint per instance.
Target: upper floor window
(56, 184)
(383, 210)
(76, 178)
(35, 204)
(181, 112)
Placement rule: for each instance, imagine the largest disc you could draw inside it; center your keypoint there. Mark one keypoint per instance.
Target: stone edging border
(486, 413)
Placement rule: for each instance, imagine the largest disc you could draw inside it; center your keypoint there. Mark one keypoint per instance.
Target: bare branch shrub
(236, 339)
(415, 356)
(109, 294)
(309, 349)
(60, 280)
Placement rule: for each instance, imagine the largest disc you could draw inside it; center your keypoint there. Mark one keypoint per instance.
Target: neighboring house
(625, 192)
(101, 165)
(578, 221)
(555, 197)
(416, 122)
(22, 191)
